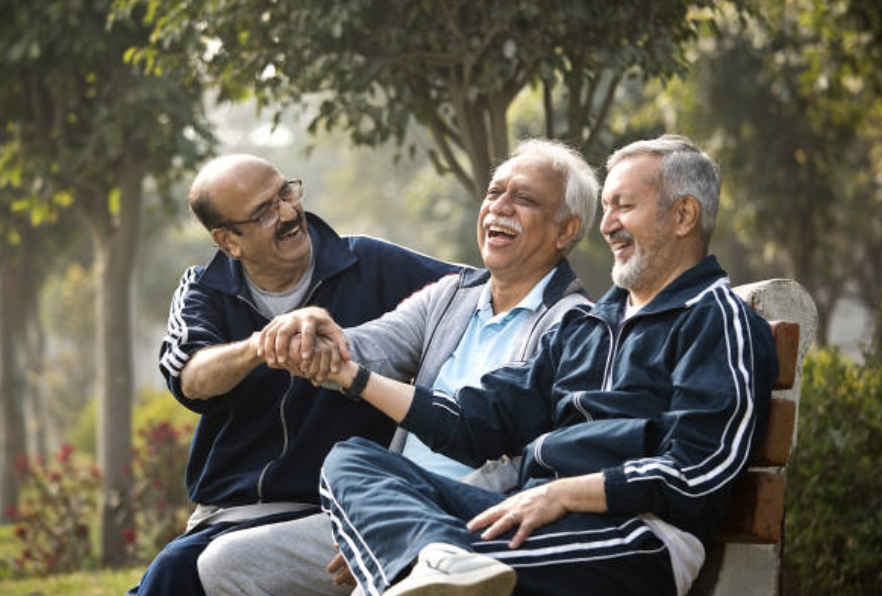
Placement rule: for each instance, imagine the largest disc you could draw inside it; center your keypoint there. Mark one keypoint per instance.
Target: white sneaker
(447, 570)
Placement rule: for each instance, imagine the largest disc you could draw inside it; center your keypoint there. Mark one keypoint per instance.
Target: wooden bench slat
(774, 448)
(786, 336)
(758, 509)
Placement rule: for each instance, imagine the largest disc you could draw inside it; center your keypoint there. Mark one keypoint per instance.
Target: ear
(568, 230)
(687, 211)
(227, 241)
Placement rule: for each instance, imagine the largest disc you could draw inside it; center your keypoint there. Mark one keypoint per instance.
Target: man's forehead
(527, 169)
(630, 174)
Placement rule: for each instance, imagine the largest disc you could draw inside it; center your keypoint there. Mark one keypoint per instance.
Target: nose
(502, 204)
(286, 210)
(609, 222)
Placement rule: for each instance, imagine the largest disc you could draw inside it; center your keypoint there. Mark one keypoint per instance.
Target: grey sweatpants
(289, 558)
(272, 560)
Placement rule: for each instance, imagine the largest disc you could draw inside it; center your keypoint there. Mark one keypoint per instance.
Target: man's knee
(216, 571)
(353, 455)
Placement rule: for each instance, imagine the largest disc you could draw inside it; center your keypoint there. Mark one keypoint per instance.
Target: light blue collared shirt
(486, 344)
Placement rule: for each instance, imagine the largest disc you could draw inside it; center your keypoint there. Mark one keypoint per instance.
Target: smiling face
(519, 234)
(641, 234)
(273, 257)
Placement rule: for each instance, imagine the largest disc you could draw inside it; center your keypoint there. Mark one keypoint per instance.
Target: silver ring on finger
(510, 517)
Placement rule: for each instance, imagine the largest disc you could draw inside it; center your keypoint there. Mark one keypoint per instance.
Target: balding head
(230, 175)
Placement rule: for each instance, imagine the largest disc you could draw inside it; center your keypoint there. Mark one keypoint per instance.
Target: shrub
(57, 502)
(161, 502)
(834, 505)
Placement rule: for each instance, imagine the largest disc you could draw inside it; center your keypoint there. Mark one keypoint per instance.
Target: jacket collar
(680, 293)
(332, 255)
(562, 283)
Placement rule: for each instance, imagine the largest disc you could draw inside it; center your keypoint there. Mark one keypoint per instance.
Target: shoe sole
(487, 581)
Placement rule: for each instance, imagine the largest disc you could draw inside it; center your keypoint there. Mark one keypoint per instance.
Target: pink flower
(64, 452)
(128, 535)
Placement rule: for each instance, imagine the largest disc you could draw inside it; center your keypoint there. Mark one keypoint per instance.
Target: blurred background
(393, 113)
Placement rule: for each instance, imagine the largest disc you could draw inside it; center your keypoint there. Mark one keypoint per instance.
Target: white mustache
(503, 222)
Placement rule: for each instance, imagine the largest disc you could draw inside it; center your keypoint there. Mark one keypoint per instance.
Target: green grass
(82, 583)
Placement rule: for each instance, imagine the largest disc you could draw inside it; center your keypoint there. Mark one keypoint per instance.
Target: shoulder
(378, 252)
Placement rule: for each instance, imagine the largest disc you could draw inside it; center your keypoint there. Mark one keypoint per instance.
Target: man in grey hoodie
(539, 204)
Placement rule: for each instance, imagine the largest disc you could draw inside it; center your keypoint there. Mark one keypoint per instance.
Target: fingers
(276, 345)
(522, 514)
(341, 572)
(336, 564)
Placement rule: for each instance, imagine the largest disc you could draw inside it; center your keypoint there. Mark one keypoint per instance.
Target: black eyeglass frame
(270, 216)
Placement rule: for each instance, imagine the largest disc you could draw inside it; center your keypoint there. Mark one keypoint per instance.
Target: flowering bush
(161, 502)
(57, 501)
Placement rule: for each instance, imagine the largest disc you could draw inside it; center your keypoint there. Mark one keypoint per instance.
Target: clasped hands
(306, 342)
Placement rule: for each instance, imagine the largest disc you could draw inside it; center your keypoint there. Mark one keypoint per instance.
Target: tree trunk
(115, 239)
(10, 387)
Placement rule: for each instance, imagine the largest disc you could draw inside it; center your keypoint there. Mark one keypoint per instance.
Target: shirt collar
(530, 302)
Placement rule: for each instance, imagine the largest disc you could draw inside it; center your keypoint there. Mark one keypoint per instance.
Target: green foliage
(75, 114)
(154, 406)
(777, 99)
(57, 501)
(157, 405)
(378, 66)
(834, 506)
(58, 508)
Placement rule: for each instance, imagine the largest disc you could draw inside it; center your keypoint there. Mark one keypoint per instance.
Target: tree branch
(604, 111)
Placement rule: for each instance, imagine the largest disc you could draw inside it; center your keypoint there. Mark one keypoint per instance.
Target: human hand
(526, 510)
(277, 344)
(326, 362)
(341, 571)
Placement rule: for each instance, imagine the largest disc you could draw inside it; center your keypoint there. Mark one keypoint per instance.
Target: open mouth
(289, 230)
(499, 232)
(619, 242)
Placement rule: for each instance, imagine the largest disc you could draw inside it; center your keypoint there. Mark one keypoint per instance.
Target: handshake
(307, 343)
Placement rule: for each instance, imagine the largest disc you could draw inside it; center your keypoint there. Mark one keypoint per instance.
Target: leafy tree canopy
(454, 67)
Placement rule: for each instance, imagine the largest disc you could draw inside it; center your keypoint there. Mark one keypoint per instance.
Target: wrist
(357, 380)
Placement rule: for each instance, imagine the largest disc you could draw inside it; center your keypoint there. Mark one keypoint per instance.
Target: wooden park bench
(747, 557)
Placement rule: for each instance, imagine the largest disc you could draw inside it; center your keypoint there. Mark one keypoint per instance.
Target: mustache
(620, 235)
(287, 226)
(502, 221)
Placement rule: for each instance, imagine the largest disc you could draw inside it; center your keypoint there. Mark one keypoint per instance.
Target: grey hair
(685, 171)
(580, 196)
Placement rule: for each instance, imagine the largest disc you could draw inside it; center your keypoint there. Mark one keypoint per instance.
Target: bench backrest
(747, 558)
(757, 511)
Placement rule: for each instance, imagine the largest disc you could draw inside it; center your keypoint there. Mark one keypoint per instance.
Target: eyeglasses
(291, 194)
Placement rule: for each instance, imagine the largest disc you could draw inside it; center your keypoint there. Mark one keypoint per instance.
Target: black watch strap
(359, 382)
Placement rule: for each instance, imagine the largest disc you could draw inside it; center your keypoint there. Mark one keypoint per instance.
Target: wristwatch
(359, 382)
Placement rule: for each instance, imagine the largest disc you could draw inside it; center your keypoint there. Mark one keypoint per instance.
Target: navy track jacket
(266, 439)
(666, 405)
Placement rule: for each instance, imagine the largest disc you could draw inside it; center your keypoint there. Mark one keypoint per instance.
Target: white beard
(626, 274)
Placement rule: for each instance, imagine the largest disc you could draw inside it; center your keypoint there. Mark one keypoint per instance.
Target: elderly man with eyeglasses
(263, 434)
